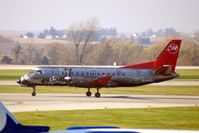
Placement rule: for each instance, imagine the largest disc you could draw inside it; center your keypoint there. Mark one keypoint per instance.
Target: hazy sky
(126, 15)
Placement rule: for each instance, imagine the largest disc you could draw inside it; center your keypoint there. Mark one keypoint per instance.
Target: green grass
(158, 90)
(185, 74)
(12, 74)
(161, 118)
(188, 74)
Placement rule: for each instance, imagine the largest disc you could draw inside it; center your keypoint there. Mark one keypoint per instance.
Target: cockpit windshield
(38, 72)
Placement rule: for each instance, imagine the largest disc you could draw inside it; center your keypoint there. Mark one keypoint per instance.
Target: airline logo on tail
(172, 48)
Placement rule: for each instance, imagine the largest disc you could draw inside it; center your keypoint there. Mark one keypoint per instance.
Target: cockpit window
(38, 72)
(35, 72)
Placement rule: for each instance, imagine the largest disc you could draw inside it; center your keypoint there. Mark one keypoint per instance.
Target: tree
(44, 60)
(5, 39)
(30, 53)
(17, 51)
(29, 34)
(6, 60)
(104, 55)
(53, 53)
(81, 34)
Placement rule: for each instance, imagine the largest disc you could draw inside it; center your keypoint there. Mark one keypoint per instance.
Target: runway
(19, 102)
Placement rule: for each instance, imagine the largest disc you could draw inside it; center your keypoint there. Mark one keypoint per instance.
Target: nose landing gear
(34, 91)
(88, 93)
(97, 94)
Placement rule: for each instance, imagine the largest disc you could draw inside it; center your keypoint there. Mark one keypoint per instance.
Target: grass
(12, 74)
(188, 74)
(161, 118)
(155, 90)
(185, 74)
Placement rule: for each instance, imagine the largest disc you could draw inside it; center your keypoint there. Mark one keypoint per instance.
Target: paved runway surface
(24, 102)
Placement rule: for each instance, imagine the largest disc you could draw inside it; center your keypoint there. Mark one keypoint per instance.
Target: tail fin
(8, 124)
(167, 57)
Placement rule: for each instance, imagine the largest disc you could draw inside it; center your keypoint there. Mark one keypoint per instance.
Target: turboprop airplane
(8, 124)
(160, 69)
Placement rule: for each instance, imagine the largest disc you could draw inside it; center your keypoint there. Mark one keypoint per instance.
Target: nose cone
(19, 81)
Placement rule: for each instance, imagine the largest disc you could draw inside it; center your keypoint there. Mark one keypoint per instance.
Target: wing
(102, 81)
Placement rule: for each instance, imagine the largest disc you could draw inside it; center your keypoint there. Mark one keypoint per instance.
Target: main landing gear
(34, 91)
(88, 93)
(97, 94)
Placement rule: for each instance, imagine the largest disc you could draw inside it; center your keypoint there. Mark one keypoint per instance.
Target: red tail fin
(167, 57)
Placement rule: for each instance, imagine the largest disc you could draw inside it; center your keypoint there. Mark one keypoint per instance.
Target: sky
(126, 15)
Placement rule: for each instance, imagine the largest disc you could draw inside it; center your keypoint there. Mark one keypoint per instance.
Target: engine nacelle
(67, 78)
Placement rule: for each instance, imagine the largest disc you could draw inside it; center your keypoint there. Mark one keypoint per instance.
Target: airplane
(9, 124)
(160, 69)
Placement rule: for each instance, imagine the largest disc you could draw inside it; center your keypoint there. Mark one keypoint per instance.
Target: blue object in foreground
(8, 124)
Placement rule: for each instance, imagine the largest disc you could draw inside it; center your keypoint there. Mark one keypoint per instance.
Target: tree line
(106, 52)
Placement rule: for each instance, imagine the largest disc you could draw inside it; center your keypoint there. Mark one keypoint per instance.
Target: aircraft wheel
(33, 93)
(97, 95)
(88, 93)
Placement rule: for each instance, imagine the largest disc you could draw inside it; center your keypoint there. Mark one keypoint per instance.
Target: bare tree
(30, 54)
(53, 54)
(17, 51)
(6, 60)
(81, 34)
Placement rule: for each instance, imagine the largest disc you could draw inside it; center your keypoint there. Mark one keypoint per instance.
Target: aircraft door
(69, 72)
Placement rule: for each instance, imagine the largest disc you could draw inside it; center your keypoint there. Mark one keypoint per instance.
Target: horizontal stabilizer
(165, 70)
